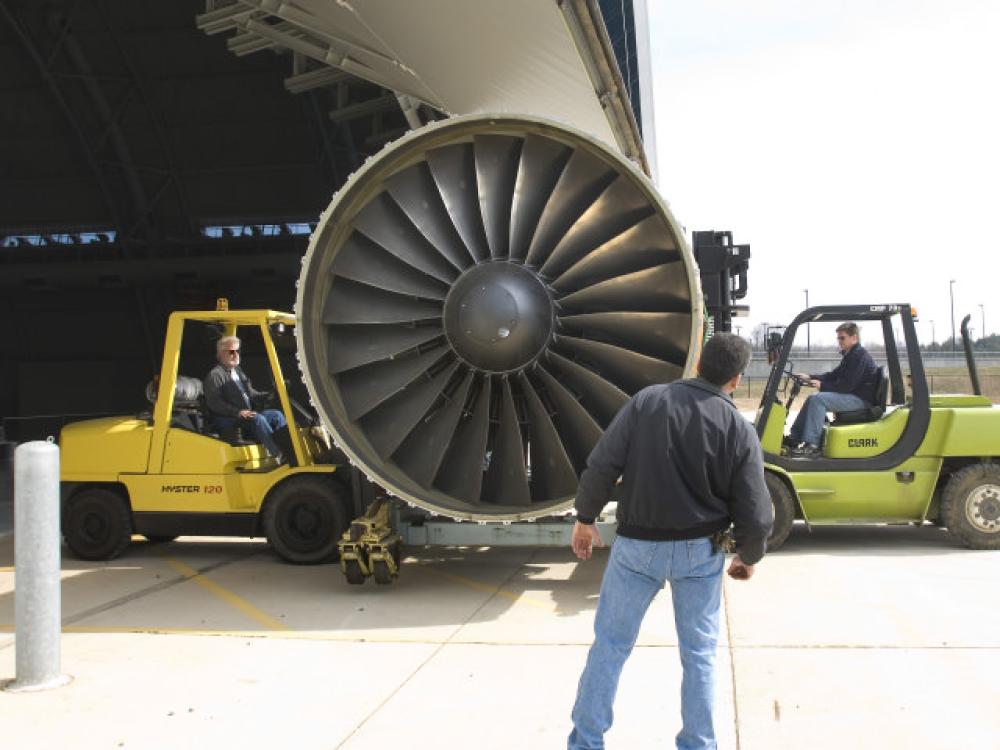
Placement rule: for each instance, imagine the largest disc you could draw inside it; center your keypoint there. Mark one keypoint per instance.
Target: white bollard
(37, 598)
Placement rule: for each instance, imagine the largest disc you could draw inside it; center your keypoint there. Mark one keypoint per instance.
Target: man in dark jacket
(231, 398)
(849, 386)
(690, 465)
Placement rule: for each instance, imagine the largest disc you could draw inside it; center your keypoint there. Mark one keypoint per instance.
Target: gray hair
(724, 357)
(225, 342)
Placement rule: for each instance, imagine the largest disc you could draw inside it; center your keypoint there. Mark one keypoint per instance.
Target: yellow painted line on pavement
(235, 600)
(485, 587)
(283, 635)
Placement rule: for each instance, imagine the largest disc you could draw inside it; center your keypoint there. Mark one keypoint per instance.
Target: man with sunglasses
(849, 386)
(231, 399)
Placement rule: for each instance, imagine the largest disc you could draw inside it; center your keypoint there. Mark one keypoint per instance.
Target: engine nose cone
(498, 317)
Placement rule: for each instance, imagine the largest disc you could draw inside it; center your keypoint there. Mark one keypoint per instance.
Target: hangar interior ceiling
(157, 155)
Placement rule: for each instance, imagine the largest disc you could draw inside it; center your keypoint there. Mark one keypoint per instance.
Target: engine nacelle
(477, 303)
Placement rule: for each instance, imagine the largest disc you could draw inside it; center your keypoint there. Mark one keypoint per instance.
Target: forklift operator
(849, 386)
(230, 398)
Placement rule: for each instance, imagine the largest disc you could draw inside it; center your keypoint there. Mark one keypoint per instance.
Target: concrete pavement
(848, 637)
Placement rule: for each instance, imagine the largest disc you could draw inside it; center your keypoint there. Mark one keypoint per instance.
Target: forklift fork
(371, 546)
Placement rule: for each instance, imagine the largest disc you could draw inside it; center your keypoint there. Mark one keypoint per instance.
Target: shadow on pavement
(200, 584)
(241, 585)
(885, 541)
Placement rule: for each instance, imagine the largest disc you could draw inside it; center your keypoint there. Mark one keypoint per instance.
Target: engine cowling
(479, 300)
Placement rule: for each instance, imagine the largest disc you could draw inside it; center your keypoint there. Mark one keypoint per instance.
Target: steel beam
(74, 122)
(248, 43)
(313, 79)
(54, 52)
(411, 110)
(324, 134)
(90, 273)
(114, 132)
(309, 44)
(217, 20)
(316, 26)
(585, 22)
(354, 111)
(141, 87)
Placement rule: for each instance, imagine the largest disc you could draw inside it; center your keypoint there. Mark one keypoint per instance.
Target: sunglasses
(232, 351)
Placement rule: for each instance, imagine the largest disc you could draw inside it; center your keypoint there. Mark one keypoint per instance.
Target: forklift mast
(723, 268)
(774, 338)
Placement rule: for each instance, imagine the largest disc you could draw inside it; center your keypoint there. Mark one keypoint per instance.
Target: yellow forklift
(164, 473)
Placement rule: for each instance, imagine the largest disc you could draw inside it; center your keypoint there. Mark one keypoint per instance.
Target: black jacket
(857, 373)
(690, 464)
(223, 397)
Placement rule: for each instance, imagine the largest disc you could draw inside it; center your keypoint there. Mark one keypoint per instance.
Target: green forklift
(910, 458)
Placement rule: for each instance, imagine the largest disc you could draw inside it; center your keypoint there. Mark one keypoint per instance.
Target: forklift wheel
(304, 518)
(784, 510)
(97, 524)
(970, 506)
(353, 573)
(380, 571)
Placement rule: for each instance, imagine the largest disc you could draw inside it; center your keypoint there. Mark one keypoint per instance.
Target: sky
(854, 145)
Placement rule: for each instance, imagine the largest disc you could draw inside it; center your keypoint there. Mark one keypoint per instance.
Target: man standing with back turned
(690, 464)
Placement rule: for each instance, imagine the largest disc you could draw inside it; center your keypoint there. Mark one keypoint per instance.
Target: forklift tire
(380, 572)
(970, 506)
(97, 524)
(784, 510)
(353, 573)
(304, 518)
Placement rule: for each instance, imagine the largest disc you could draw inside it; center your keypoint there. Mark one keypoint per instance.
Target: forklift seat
(190, 413)
(870, 413)
(186, 413)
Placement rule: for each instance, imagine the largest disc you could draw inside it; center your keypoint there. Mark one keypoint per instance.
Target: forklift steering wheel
(800, 382)
(797, 384)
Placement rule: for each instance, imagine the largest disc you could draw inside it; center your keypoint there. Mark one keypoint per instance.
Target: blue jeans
(636, 571)
(262, 426)
(808, 427)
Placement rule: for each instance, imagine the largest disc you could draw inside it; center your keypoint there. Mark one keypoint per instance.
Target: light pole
(808, 341)
(933, 335)
(951, 293)
(982, 312)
